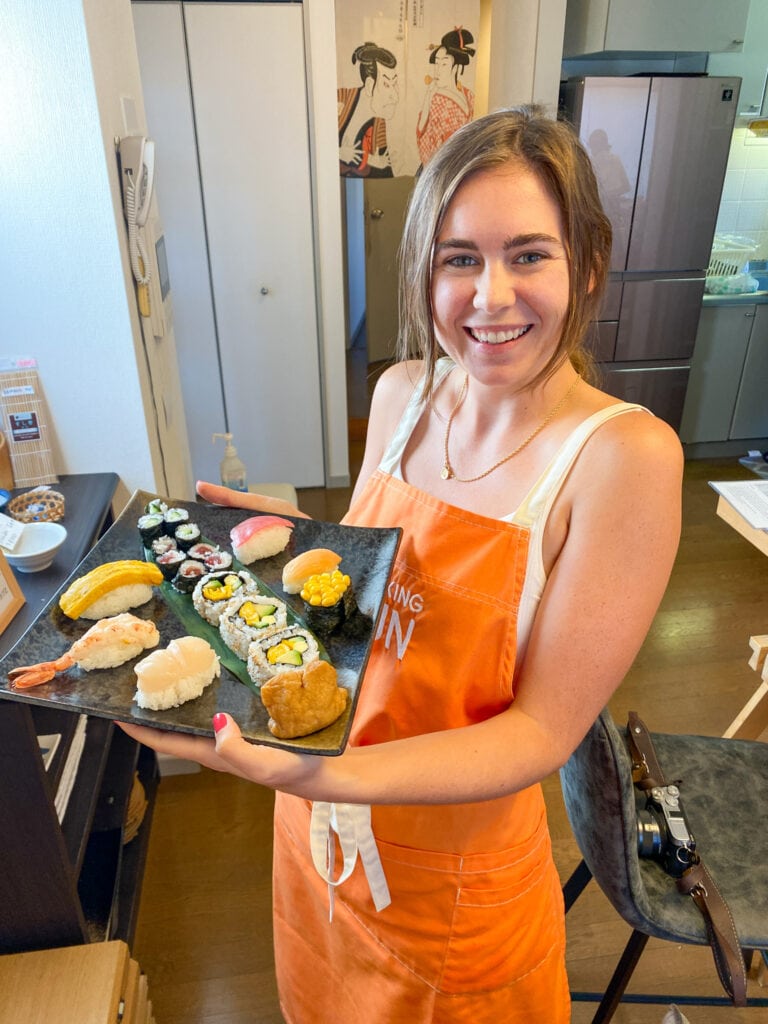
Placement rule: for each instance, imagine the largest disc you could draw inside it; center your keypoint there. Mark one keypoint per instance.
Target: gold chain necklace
(447, 472)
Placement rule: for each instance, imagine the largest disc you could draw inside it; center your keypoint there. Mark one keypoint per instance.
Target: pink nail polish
(219, 721)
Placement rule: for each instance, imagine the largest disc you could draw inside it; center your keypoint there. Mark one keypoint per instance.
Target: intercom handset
(137, 171)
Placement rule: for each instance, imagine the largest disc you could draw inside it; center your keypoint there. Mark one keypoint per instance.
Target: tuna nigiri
(176, 674)
(260, 537)
(308, 563)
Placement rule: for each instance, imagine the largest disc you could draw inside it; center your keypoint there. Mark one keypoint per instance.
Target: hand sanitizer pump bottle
(232, 469)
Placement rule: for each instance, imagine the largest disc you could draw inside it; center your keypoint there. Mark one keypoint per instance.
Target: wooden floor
(204, 936)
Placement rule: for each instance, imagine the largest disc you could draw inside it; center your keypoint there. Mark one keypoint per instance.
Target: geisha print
(448, 104)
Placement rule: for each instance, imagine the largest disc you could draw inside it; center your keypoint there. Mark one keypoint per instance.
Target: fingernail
(219, 721)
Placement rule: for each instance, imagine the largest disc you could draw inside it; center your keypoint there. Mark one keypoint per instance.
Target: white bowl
(37, 546)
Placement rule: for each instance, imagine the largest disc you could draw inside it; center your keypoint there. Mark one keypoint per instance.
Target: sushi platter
(342, 640)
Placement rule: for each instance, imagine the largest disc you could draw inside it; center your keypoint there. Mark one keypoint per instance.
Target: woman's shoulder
(630, 440)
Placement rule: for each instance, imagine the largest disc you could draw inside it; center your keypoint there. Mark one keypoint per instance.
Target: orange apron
(475, 929)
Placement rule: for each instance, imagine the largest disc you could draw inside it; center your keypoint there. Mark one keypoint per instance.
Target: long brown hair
(551, 150)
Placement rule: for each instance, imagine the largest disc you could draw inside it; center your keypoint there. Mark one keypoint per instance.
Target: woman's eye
(463, 260)
(528, 258)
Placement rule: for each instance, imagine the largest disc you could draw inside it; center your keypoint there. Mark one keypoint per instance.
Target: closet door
(248, 80)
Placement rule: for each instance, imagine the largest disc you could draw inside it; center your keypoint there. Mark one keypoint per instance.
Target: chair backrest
(600, 802)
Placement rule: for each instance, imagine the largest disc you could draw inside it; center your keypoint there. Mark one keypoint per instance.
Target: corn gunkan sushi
(260, 537)
(289, 648)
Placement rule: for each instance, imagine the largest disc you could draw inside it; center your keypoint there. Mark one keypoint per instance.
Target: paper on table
(748, 497)
(10, 531)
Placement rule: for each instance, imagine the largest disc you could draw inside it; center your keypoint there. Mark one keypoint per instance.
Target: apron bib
(475, 928)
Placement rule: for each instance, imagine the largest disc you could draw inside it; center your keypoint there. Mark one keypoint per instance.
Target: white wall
(65, 289)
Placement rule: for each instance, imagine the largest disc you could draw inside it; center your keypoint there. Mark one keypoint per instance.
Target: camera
(663, 831)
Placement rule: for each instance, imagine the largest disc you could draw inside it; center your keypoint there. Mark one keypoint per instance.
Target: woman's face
(443, 67)
(500, 276)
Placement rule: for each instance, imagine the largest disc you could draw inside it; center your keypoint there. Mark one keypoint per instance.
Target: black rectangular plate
(367, 555)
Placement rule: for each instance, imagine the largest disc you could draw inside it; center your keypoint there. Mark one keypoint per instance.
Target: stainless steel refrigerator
(659, 145)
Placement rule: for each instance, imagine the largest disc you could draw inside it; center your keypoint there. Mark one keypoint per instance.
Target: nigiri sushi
(308, 563)
(110, 589)
(107, 644)
(260, 537)
(175, 674)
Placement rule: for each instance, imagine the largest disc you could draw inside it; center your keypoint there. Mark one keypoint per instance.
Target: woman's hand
(229, 752)
(219, 495)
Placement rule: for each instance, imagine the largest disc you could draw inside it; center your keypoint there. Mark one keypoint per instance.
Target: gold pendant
(446, 473)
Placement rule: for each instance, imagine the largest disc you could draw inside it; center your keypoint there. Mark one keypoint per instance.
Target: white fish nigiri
(176, 674)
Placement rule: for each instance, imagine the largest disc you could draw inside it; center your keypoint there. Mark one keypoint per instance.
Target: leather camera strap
(695, 881)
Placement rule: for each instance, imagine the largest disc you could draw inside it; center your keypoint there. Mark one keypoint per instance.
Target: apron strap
(352, 824)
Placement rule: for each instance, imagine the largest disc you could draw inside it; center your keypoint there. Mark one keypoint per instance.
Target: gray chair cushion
(724, 790)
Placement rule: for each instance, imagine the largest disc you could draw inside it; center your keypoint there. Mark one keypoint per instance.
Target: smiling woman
(534, 554)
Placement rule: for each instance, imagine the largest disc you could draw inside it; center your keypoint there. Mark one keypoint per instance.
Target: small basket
(729, 254)
(37, 506)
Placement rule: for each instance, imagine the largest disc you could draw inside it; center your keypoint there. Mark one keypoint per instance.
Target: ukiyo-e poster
(406, 81)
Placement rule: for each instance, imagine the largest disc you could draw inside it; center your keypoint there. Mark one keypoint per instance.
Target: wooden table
(88, 513)
(751, 723)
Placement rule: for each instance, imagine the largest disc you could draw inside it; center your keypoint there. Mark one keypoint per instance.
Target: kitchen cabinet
(597, 26)
(726, 397)
(750, 413)
(97, 984)
(225, 90)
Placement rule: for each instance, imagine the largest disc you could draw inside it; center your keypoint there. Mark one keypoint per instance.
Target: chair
(724, 791)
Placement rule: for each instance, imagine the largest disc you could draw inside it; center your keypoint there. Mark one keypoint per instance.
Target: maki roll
(218, 560)
(169, 561)
(162, 544)
(214, 591)
(328, 600)
(188, 575)
(187, 535)
(290, 648)
(200, 551)
(150, 526)
(173, 518)
(156, 505)
(250, 618)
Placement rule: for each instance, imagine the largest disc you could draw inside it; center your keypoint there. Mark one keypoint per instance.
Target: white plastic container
(232, 470)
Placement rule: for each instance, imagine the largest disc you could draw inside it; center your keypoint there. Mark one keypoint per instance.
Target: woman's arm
(599, 601)
(217, 494)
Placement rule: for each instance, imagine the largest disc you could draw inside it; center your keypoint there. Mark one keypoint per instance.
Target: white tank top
(534, 510)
